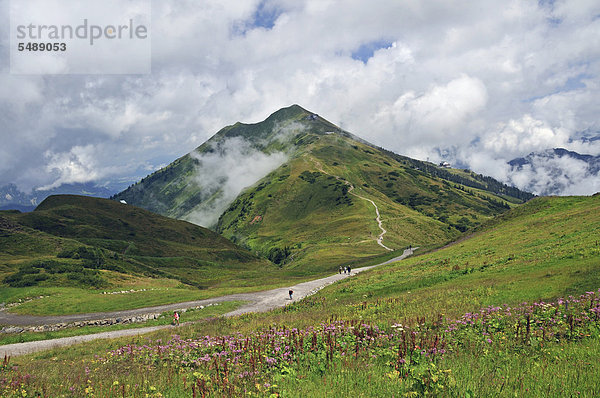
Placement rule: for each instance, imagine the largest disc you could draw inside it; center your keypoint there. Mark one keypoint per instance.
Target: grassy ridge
(104, 234)
(545, 249)
(124, 228)
(72, 243)
(306, 206)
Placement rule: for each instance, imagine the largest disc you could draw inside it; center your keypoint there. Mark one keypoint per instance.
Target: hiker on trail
(345, 269)
(348, 270)
(291, 292)
(340, 269)
(175, 318)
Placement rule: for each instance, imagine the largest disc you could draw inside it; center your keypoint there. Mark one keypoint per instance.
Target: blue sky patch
(264, 16)
(575, 83)
(366, 51)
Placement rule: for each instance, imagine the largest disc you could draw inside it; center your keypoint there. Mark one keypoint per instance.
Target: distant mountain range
(590, 139)
(556, 171)
(12, 198)
(592, 161)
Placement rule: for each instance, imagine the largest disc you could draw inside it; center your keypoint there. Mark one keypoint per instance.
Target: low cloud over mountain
(556, 172)
(234, 164)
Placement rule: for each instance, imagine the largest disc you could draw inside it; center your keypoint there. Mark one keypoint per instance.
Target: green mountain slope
(543, 250)
(319, 205)
(181, 189)
(69, 235)
(315, 205)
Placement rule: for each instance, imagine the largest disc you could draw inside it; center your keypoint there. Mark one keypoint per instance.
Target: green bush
(92, 255)
(310, 177)
(19, 279)
(54, 271)
(278, 255)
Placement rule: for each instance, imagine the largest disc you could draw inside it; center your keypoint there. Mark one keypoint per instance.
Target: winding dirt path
(378, 218)
(255, 302)
(350, 189)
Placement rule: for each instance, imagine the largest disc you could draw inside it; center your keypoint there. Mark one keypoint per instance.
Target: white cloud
(522, 136)
(77, 165)
(556, 176)
(437, 115)
(490, 82)
(18, 91)
(233, 165)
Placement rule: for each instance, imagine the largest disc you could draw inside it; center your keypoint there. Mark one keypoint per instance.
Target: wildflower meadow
(407, 358)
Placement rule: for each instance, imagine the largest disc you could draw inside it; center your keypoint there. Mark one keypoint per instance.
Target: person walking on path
(349, 270)
(291, 292)
(175, 318)
(340, 269)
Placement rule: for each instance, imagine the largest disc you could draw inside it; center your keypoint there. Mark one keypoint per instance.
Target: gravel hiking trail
(350, 189)
(254, 302)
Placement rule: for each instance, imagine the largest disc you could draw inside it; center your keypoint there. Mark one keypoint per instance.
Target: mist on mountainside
(233, 164)
(224, 173)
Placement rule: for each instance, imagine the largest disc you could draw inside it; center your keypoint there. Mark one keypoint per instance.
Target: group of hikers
(345, 269)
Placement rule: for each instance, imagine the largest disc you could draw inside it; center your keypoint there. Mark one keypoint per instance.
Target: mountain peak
(292, 112)
(280, 126)
(297, 172)
(289, 111)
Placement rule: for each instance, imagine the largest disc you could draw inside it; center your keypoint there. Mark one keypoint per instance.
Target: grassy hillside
(124, 228)
(512, 310)
(314, 208)
(72, 243)
(305, 213)
(543, 250)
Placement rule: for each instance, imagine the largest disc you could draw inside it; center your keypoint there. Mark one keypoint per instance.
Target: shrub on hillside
(310, 177)
(55, 273)
(279, 255)
(93, 255)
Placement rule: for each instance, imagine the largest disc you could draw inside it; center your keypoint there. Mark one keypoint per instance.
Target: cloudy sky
(477, 83)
